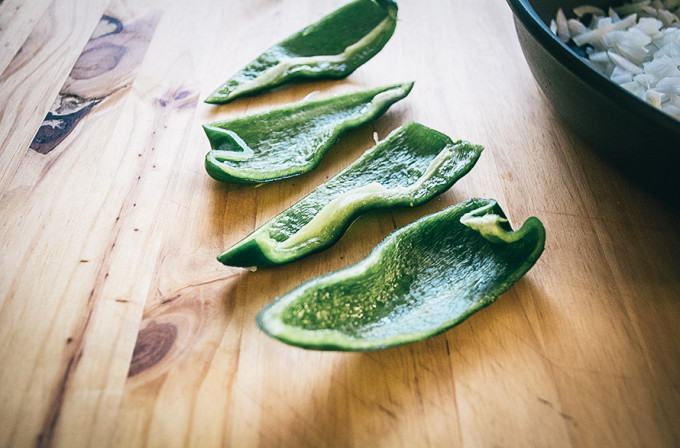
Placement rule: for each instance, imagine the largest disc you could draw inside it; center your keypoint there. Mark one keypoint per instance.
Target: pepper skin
(331, 48)
(409, 167)
(290, 140)
(420, 281)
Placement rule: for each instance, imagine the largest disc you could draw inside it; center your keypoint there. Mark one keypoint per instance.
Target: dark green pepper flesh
(420, 281)
(409, 167)
(290, 140)
(331, 48)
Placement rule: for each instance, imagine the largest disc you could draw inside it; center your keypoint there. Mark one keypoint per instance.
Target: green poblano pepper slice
(332, 48)
(409, 167)
(421, 280)
(291, 140)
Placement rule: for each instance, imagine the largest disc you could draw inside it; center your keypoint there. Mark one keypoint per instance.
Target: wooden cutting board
(119, 328)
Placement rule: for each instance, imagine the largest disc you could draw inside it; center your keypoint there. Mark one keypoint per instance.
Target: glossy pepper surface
(333, 47)
(290, 140)
(409, 167)
(421, 280)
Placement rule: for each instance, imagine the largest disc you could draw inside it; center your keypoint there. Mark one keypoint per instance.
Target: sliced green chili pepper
(290, 140)
(411, 166)
(333, 48)
(423, 279)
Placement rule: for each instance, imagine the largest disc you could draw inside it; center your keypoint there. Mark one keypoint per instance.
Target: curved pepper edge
(327, 339)
(301, 67)
(385, 97)
(260, 247)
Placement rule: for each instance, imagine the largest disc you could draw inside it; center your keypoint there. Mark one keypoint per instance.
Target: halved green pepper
(333, 48)
(421, 280)
(409, 167)
(292, 139)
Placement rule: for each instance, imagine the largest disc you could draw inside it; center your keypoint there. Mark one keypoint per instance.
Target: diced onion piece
(630, 8)
(576, 27)
(654, 98)
(621, 76)
(581, 11)
(624, 63)
(562, 27)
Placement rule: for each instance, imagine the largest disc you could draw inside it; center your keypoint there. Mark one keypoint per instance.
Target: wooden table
(119, 328)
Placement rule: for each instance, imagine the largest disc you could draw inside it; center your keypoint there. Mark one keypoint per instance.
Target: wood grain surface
(119, 328)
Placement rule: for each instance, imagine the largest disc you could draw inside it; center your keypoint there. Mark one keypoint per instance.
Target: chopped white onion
(637, 45)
